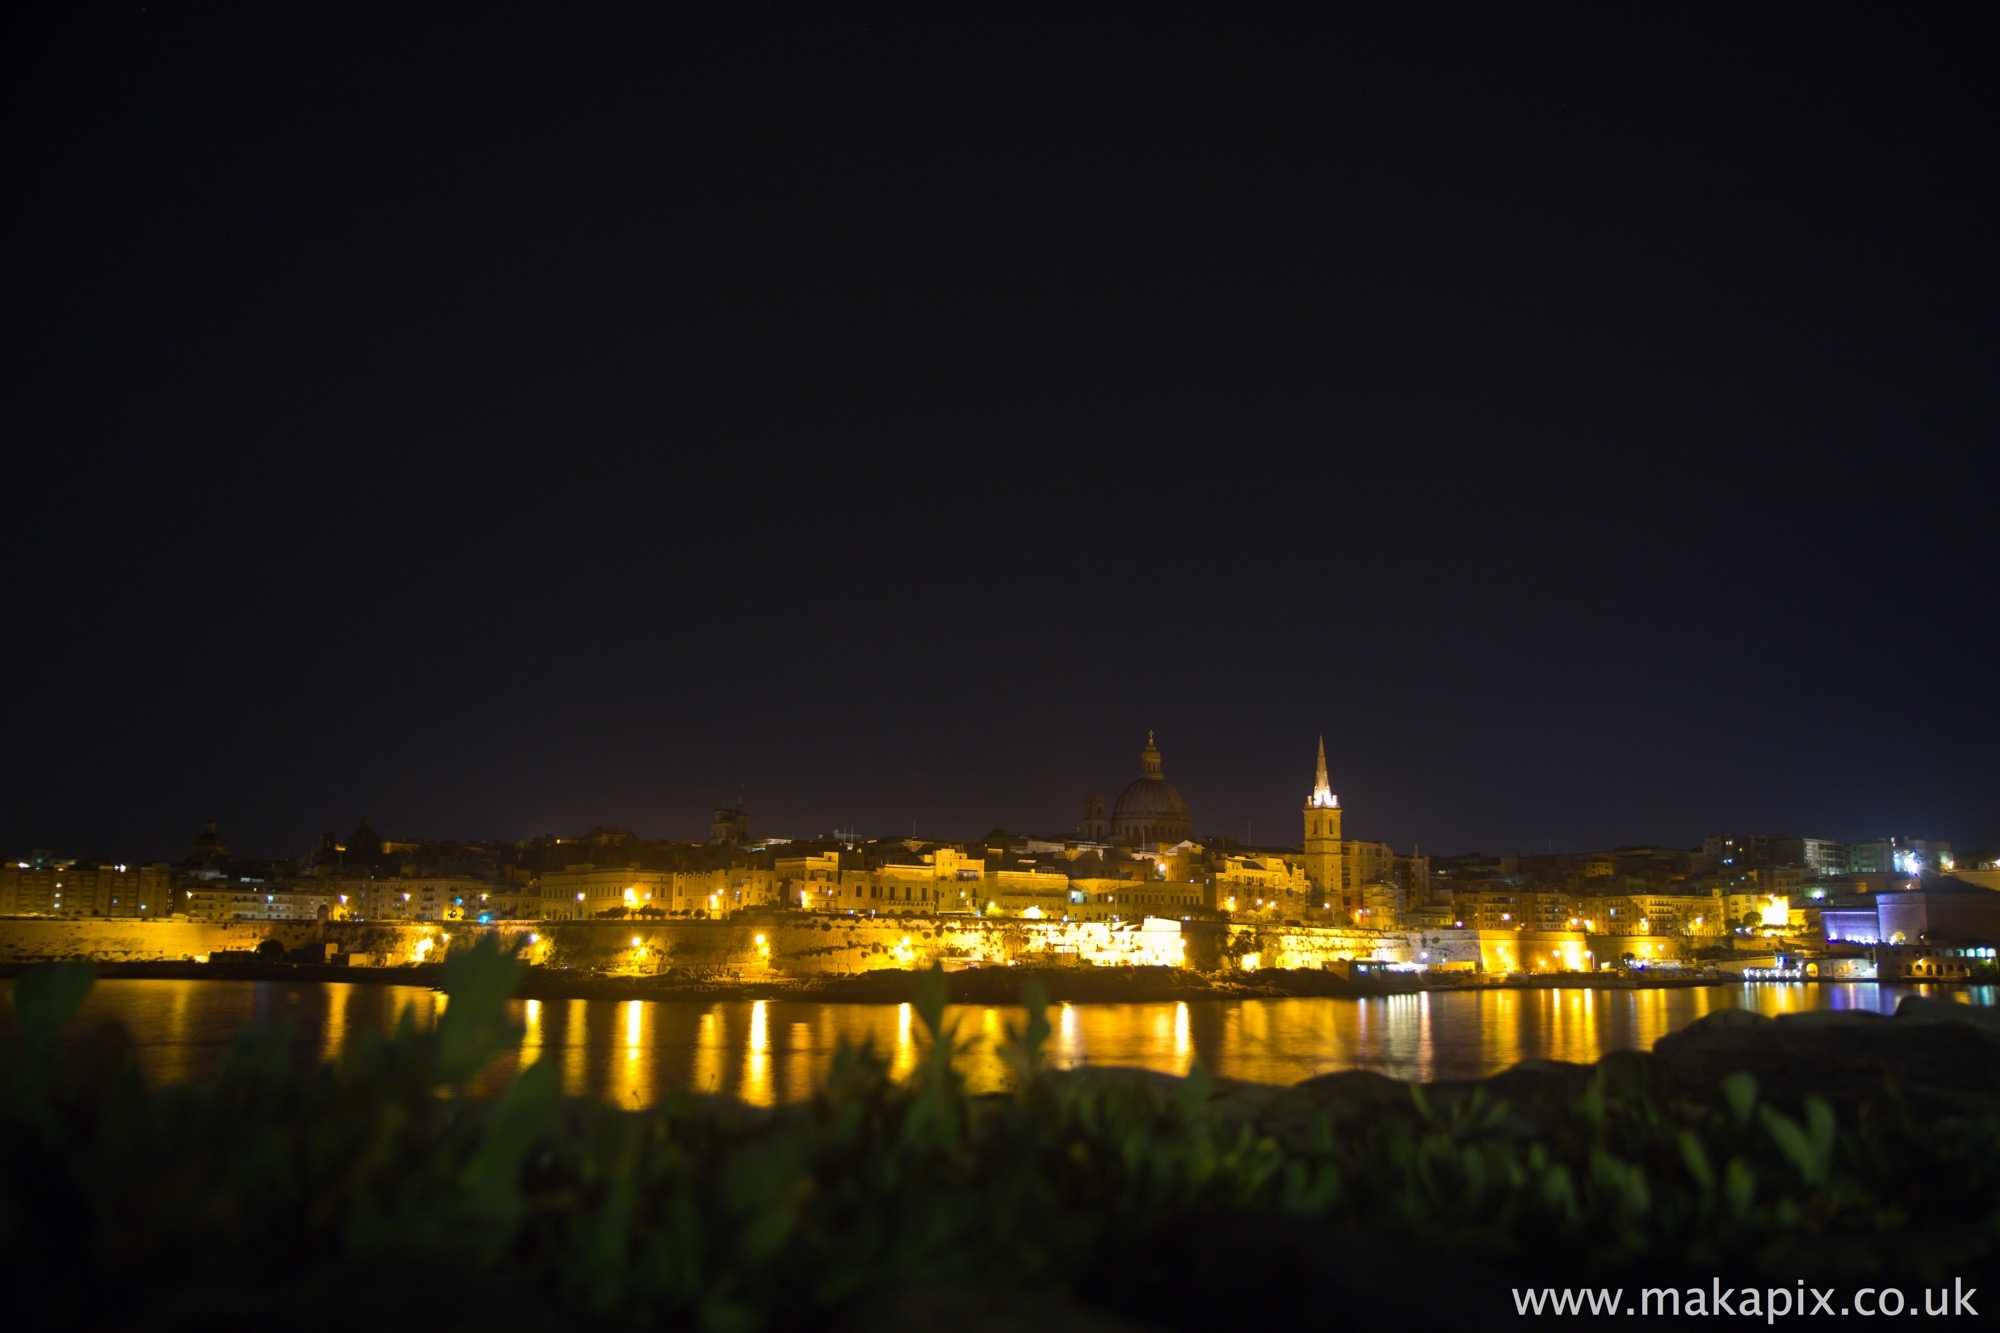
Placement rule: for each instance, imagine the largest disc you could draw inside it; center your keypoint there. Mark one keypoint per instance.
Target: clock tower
(1322, 819)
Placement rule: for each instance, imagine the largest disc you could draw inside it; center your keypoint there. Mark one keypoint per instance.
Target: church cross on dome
(1323, 797)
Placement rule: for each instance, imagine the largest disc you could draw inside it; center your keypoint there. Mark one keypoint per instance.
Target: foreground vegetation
(363, 1193)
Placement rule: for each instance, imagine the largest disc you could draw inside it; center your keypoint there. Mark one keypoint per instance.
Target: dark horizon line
(835, 834)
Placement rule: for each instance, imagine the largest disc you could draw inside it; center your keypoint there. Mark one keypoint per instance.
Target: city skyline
(781, 666)
(765, 830)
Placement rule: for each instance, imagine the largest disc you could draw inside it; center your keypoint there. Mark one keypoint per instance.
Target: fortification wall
(120, 940)
(1313, 947)
(769, 945)
(800, 945)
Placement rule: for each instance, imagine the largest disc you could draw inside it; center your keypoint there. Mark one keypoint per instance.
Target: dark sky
(497, 421)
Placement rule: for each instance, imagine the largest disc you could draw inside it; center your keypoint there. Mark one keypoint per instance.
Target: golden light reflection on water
(531, 1032)
(708, 1053)
(904, 1057)
(756, 1087)
(636, 1052)
(628, 1080)
(334, 1030)
(576, 1048)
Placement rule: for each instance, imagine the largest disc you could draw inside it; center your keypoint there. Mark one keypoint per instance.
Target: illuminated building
(1270, 885)
(239, 900)
(402, 898)
(585, 891)
(1324, 864)
(1150, 810)
(1363, 864)
(64, 888)
(1904, 856)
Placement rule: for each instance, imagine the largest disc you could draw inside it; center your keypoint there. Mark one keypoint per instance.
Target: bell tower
(1322, 820)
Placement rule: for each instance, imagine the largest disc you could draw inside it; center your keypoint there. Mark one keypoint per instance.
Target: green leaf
(1740, 1091)
(1793, 1142)
(475, 1028)
(1739, 1187)
(48, 996)
(1022, 1049)
(1695, 1158)
(930, 1000)
(1821, 1127)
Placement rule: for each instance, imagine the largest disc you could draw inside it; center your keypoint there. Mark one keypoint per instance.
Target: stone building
(65, 888)
(1150, 810)
(729, 825)
(237, 900)
(1323, 863)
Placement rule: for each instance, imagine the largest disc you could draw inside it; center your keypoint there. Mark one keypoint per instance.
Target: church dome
(1150, 809)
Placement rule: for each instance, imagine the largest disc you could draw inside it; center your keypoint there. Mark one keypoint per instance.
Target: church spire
(1323, 797)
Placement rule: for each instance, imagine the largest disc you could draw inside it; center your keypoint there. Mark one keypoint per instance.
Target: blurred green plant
(266, 1185)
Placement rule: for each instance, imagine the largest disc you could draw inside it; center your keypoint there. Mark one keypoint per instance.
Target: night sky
(496, 422)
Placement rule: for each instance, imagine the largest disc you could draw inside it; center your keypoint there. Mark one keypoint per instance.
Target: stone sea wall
(759, 945)
(805, 946)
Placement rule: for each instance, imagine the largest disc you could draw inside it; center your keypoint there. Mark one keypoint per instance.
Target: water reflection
(770, 1051)
(756, 1085)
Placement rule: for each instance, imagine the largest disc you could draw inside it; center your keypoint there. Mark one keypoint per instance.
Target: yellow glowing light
(1251, 962)
(635, 941)
(422, 949)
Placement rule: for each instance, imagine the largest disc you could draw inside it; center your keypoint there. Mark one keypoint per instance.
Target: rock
(1937, 1009)
(1726, 1018)
(1842, 1055)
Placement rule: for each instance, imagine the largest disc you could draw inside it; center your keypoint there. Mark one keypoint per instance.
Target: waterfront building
(813, 880)
(1642, 912)
(1379, 905)
(241, 900)
(1940, 909)
(65, 888)
(720, 890)
(585, 891)
(403, 898)
(1271, 884)
(1753, 910)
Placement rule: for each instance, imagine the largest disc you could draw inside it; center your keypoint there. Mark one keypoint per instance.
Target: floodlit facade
(69, 889)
